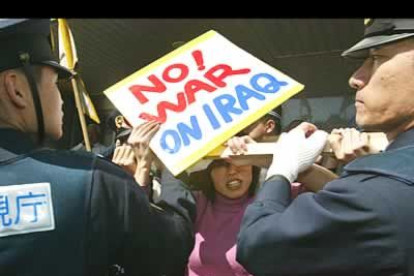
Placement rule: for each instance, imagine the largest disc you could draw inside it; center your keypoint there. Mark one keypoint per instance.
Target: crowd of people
(119, 211)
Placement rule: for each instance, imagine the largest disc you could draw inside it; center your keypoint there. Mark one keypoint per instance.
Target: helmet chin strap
(29, 72)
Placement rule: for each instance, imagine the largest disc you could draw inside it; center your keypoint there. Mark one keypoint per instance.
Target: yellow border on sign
(220, 139)
(216, 152)
(160, 61)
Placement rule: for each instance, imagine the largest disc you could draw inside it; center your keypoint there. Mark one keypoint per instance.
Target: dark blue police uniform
(359, 224)
(71, 213)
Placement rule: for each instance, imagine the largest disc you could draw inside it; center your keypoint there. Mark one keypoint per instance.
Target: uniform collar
(404, 139)
(393, 162)
(15, 141)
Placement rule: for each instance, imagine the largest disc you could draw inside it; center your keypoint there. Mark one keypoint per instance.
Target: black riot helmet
(24, 43)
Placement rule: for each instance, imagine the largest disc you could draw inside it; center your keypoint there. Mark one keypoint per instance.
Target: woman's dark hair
(202, 181)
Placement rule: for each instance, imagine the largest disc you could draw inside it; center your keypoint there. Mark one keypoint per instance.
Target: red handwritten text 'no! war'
(178, 72)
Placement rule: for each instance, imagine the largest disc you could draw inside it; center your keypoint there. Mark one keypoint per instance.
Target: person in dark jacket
(65, 212)
(361, 223)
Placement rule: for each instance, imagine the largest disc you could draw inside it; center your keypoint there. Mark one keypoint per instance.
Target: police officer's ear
(269, 126)
(16, 87)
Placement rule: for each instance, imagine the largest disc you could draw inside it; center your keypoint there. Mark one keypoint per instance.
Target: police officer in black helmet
(63, 212)
(363, 222)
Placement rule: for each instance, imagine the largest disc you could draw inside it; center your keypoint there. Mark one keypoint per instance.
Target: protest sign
(203, 93)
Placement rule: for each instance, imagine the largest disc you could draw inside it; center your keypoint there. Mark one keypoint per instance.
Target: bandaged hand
(296, 151)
